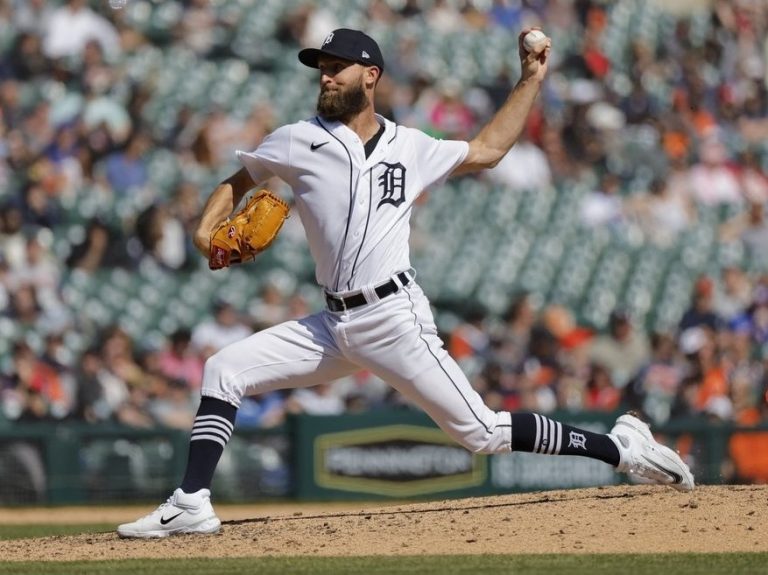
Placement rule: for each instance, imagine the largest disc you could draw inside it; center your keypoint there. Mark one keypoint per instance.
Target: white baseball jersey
(355, 210)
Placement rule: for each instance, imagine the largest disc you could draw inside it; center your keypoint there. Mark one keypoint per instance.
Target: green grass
(677, 564)
(44, 530)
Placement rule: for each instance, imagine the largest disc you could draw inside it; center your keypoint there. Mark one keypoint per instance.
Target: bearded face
(342, 103)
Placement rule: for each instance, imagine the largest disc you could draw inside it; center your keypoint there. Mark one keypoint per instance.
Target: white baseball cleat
(645, 459)
(182, 513)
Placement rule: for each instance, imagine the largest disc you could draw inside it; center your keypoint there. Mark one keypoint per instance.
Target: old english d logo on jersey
(392, 184)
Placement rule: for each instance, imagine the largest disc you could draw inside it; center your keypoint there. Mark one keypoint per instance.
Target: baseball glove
(250, 231)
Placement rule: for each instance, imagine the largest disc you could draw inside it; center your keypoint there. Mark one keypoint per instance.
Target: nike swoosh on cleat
(314, 147)
(164, 521)
(675, 476)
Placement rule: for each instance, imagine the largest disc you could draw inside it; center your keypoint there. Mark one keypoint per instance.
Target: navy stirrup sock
(535, 433)
(211, 431)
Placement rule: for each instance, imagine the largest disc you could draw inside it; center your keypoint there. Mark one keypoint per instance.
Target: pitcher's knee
(220, 381)
(485, 440)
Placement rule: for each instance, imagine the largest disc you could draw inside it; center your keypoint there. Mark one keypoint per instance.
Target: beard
(342, 104)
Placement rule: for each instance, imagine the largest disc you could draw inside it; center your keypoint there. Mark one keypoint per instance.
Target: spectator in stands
(576, 367)
(12, 239)
(701, 311)
(410, 9)
(26, 311)
(706, 379)
(64, 156)
(752, 177)
(219, 136)
(26, 60)
(623, 350)
(653, 390)
(183, 210)
(524, 168)
(161, 237)
(381, 12)
(755, 317)
(40, 268)
(751, 228)
(40, 392)
(6, 286)
(32, 16)
(264, 411)
(733, 294)
(38, 208)
(177, 361)
(660, 214)
(198, 26)
(169, 403)
(320, 399)
(712, 181)
(126, 170)
(72, 25)
(506, 14)
(102, 396)
(270, 308)
(107, 123)
(600, 393)
(99, 248)
(443, 17)
(512, 341)
(224, 328)
(449, 115)
(96, 398)
(469, 342)
(96, 74)
(604, 207)
(298, 306)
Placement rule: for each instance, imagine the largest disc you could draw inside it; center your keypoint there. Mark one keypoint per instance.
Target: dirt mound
(625, 519)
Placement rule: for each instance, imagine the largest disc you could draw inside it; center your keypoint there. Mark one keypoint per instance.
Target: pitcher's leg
(397, 340)
(292, 354)
(444, 393)
(289, 355)
(409, 354)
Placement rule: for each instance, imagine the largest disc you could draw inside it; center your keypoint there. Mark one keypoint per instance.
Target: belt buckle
(336, 304)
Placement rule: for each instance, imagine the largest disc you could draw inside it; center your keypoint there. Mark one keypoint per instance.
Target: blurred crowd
(659, 125)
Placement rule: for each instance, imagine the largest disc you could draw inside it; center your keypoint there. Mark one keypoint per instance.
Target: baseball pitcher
(355, 177)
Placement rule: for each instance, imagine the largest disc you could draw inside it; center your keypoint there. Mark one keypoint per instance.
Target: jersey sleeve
(270, 158)
(437, 158)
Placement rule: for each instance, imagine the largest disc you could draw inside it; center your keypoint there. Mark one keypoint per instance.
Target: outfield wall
(389, 454)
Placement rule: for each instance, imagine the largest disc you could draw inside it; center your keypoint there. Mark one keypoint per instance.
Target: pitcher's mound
(623, 519)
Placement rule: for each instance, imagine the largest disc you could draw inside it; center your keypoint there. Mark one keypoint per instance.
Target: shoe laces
(160, 508)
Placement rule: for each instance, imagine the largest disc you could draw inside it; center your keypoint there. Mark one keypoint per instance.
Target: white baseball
(533, 40)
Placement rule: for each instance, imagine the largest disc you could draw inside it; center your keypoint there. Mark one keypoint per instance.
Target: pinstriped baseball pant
(395, 338)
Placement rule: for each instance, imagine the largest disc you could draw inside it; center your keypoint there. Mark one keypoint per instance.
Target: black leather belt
(358, 299)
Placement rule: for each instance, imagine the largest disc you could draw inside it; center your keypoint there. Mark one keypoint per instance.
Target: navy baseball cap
(346, 44)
